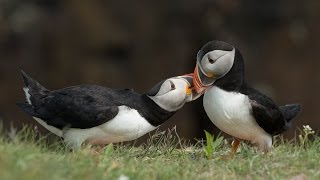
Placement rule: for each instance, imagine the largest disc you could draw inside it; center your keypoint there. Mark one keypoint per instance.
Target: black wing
(266, 112)
(76, 107)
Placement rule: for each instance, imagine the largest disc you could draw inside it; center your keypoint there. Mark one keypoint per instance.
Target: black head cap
(155, 89)
(214, 45)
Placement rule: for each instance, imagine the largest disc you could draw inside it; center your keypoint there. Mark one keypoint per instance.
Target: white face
(217, 63)
(173, 94)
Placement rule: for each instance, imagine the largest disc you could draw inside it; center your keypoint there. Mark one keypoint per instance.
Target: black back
(87, 106)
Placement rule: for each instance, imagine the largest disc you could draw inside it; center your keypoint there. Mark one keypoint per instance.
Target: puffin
(232, 104)
(99, 115)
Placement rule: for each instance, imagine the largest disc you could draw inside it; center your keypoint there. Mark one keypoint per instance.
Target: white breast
(231, 112)
(126, 126)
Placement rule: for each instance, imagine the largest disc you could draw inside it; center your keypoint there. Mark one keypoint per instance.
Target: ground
(164, 156)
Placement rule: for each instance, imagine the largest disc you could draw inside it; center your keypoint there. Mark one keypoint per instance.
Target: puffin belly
(126, 126)
(231, 112)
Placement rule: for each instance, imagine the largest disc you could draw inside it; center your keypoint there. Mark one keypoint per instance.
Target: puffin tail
(289, 112)
(28, 108)
(33, 90)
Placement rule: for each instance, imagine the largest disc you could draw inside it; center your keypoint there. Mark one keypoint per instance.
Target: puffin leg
(235, 146)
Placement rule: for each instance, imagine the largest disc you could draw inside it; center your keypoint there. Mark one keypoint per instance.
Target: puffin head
(214, 60)
(171, 94)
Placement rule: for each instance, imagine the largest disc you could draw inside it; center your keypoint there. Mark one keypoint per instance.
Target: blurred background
(123, 44)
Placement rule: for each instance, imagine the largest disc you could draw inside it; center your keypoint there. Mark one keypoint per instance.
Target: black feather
(234, 79)
(155, 89)
(34, 87)
(290, 111)
(209, 46)
(27, 108)
(273, 119)
(88, 106)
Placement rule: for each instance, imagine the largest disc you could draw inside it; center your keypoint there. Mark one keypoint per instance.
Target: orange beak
(199, 87)
(188, 88)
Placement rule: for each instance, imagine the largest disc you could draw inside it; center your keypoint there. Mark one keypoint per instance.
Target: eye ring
(173, 86)
(211, 61)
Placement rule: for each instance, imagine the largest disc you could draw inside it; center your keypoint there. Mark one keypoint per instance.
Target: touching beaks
(191, 89)
(188, 78)
(190, 92)
(199, 87)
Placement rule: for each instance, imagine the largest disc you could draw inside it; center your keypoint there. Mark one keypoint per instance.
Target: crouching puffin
(100, 115)
(231, 104)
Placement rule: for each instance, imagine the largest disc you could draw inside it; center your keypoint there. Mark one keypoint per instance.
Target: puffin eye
(173, 87)
(211, 61)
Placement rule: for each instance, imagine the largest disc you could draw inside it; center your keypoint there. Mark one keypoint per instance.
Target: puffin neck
(153, 112)
(234, 79)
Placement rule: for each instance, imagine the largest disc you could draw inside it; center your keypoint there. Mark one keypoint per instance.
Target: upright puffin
(231, 104)
(100, 115)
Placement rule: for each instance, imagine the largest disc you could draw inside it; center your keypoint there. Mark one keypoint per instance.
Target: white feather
(231, 112)
(26, 92)
(52, 129)
(126, 126)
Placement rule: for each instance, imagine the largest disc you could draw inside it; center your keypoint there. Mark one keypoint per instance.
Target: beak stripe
(198, 85)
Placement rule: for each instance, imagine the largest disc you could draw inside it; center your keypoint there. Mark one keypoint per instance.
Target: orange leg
(235, 145)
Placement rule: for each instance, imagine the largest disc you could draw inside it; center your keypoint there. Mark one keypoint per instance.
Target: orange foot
(235, 146)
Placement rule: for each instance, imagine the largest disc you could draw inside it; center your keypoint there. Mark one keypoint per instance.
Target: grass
(27, 155)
